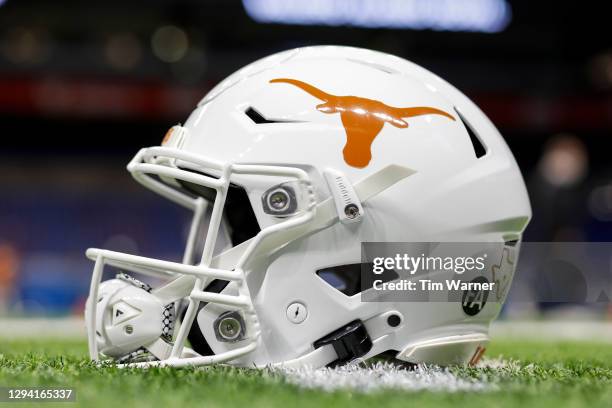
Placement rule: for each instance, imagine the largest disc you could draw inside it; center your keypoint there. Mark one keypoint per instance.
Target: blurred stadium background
(83, 85)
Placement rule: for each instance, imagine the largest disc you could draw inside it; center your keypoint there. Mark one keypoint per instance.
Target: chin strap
(168, 318)
(160, 349)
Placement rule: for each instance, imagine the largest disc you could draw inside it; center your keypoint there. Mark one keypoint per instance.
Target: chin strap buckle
(347, 202)
(350, 342)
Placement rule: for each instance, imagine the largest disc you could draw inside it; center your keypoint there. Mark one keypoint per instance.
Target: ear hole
(479, 147)
(347, 278)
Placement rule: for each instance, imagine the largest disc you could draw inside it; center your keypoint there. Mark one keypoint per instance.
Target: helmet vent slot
(259, 119)
(511, 242)
(479, 148)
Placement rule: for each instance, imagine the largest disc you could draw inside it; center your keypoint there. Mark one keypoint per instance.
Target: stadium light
(487, 16)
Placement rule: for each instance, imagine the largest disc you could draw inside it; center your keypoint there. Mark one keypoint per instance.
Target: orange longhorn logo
(362, 118)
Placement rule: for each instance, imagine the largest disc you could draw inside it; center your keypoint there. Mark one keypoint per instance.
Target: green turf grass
(543, 375)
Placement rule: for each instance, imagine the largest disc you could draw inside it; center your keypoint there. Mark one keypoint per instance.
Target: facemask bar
(160, 161)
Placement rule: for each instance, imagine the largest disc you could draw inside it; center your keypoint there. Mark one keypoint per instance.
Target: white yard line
(381, 376)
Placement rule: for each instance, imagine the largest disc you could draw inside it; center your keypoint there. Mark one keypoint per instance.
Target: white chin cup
(124, 315)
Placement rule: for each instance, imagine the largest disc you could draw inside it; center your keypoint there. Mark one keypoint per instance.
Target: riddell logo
(362, 118)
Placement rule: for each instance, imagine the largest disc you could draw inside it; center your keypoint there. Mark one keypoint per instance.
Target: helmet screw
(297, 312)
(351, 211)
(229, 328)
(278, 200)
(129, 329)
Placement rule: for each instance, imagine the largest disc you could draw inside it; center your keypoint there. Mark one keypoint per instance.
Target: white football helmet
(289, 165)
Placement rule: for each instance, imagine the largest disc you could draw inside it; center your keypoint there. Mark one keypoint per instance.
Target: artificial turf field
(543, 374)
